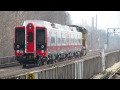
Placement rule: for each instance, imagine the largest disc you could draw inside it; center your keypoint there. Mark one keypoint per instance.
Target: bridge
(95, 65)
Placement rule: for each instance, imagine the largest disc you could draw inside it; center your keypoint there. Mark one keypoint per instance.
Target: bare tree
(10, 19)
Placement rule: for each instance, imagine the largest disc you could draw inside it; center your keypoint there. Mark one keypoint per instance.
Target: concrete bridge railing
(81, 69)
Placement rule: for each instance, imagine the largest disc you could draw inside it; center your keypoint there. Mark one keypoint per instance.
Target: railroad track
(16, 70)
(9, 72)
(115, 75)
(15, 63)
(6, 65)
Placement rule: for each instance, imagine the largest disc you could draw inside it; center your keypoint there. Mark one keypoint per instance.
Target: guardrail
(79, 69)
(8, 61)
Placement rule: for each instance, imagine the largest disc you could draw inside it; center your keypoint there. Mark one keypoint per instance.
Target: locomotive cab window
(40, 35)
(40, 39)
(20, 35)
(19, 38)
(30, 36)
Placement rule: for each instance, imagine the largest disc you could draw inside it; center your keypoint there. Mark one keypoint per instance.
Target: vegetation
(9, 19)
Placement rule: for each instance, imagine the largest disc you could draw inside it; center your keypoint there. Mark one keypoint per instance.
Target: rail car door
(30, 38)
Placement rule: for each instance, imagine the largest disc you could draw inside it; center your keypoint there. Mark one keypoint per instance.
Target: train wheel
(45, 62)
(39, 63)
(20, 63)
(53, 61)
(56, 61)
(63, 59)
(24, 65)
(78, 56)
(73, 58)
(66, 59)
(85, 52)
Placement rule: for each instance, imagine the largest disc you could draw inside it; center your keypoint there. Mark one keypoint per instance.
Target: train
(41, 42)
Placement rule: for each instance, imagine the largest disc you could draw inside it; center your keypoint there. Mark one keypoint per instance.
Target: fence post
(82, 69)
(75, 70)
(79, 69)
(102, 54)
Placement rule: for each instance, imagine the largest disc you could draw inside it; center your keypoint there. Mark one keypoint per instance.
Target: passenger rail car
(40, 42)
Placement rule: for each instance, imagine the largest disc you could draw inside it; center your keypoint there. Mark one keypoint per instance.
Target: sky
(105, 19)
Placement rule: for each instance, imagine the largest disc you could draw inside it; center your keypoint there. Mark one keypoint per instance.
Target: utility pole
(107, 37)
(92, 31)
(96, 22)
(96, 30)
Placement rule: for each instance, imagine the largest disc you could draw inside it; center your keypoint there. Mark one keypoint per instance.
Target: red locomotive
(41, 42)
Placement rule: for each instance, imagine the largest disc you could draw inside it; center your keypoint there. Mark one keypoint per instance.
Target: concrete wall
(112, 58)
(91, 67)
(6, 60)
(62, 72)
(81, 69)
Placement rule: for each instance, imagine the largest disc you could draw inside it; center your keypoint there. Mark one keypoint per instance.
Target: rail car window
(49, 38)
(30, 36)
(63, 40)
(59, 38)
(40, 35)
(20, 35)
(59, 41)
(79, 41)
(52, 39)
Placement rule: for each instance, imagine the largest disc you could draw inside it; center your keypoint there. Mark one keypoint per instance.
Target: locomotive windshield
(40, 35)
(19, 39)
(40, 39)
(20, 35)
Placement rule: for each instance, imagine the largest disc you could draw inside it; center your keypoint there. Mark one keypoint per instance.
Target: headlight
(18, 46)
(17, 51)
(42, 51)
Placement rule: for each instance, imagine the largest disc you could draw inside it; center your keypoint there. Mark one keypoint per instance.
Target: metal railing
(8, 61)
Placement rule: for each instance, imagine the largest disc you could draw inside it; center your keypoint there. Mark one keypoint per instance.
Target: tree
(10, 19)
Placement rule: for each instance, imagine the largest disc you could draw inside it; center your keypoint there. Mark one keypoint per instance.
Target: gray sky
(106, 19)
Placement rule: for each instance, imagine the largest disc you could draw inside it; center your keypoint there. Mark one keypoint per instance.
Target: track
(115, 75)
(9, 72)
(16, 70)
(15, 63)
(8, 61)
(9, 65)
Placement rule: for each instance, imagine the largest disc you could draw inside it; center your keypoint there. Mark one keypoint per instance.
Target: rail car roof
(79, 28)
(51, 25)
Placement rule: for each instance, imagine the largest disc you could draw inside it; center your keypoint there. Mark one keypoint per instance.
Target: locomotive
(40, 42)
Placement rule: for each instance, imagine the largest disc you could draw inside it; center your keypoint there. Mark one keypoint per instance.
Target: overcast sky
(106, 19)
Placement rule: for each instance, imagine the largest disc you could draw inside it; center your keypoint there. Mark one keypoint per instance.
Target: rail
(8, 61)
